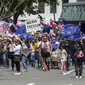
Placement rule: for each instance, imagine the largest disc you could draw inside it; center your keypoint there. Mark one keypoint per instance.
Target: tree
(9, 8)
(14, 8)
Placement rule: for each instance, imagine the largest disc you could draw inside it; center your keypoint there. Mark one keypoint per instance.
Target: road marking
(31, 84)
(36, 78)
(72, 71)
(68, 72)
(70, 84)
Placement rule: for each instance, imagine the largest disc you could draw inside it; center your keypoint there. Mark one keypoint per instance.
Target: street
(35, 76)
(36, 35)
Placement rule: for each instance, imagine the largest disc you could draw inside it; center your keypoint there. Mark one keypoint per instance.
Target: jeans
(38, 58)
(68, 63)
(1, 58)
(17, 66)
(11, 56)
(17, 62)
(6, 59)
(29, 58)
(24, 62)
(78, 67)
(33, 60)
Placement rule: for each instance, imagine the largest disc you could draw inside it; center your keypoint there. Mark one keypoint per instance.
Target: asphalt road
(37, 77)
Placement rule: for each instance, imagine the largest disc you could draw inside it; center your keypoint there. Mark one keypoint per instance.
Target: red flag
(53, 24)
(62, 29)
(42, 24)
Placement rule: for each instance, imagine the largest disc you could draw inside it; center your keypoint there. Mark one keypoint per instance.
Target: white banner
(3, 27)
(33, 25)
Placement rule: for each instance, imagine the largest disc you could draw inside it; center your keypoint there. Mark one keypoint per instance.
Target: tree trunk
(19, 11)
(15, 18)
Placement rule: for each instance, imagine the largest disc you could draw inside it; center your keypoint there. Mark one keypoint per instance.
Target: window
(65, 1)
(41, 8)
(80, 0)
(53, 8)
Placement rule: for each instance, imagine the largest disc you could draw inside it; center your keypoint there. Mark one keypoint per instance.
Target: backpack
(80, 54)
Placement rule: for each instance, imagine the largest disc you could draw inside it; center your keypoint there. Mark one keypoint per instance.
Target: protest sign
(33, 25)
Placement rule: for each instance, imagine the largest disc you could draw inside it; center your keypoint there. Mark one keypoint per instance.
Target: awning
(73, 12)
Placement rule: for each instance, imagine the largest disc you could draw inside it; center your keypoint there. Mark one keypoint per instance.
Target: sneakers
(25, 70)
(62, 72)
(18, 73)
(44, 69)
(76, 77)
(48, 67)
(80, 77)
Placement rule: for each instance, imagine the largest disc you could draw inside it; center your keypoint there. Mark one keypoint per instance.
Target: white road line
(68, 72)
(71, 71)
(31, 84)
(70, 84)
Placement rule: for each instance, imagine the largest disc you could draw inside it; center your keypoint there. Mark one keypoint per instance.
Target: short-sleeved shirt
(63, 54)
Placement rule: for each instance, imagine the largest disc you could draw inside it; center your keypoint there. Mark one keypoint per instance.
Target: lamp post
(54, 16)
(54, 13)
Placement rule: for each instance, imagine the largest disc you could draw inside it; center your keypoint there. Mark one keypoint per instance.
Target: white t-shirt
(11, 47)
(17, 50)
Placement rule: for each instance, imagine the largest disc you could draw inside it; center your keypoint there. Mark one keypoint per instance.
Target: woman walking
(11, 46)
(17, 56)
(63, 59)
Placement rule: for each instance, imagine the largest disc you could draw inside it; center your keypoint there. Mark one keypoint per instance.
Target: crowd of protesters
(45, 50)
(40, 51)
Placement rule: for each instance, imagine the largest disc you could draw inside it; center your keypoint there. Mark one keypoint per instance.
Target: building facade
(54, 11)
(73, 11)
(46, 11)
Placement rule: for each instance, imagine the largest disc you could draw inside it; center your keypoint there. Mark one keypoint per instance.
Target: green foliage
(9, 8)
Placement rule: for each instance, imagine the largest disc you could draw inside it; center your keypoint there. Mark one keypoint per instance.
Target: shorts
(45, 57)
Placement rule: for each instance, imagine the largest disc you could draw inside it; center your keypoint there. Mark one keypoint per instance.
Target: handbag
(17, 58)
(80, 54)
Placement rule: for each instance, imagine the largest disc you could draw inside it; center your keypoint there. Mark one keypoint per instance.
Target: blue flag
(24, 36)
(20, 30)
(71, 31)
(47, 29)
(31, 38)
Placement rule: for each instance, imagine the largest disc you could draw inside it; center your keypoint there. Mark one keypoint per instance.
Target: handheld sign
(32, 25)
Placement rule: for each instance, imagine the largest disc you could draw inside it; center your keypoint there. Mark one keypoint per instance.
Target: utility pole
(54, 14)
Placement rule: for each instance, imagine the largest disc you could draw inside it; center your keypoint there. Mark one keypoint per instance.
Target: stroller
(55, 59)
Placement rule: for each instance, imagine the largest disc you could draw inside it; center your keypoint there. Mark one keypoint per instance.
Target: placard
(33, 25)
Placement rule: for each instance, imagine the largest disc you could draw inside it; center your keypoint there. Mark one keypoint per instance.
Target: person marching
(17, 56)
(46, 50)
(11, 46)
(78, 60)
(63, 59)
